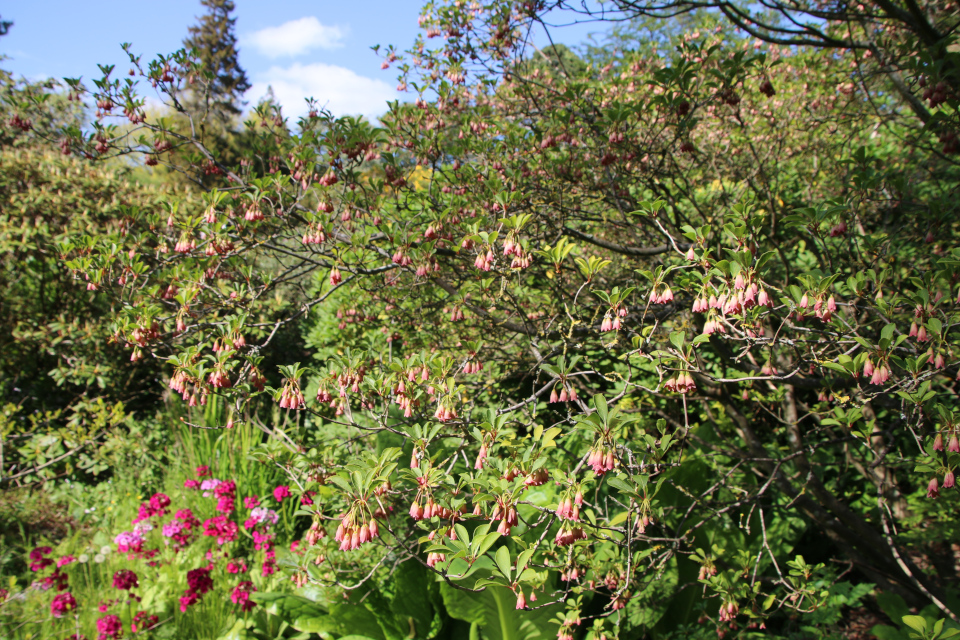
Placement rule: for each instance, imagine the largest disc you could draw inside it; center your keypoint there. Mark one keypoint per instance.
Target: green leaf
(887, 332)
(622, 485)
(677, 339)
(502, 558)
(601, 405)
(416, 601)
(523, 559)
(485, 542)
(917, 623)
(494, 611)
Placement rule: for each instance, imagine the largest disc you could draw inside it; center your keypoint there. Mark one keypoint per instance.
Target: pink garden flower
(199, 580)
(237, 566)
(198, 583)
(281, 492)
(251, 502)
(109, 627)
(241, 595)
(125, 580)
(226, 493)
(209, 485)
(262, 541)
(181, 528)
(38, 561)
(143, 621)
(155, 507)
(129, 541)
(221, 527)
(62, 603)
(269, 563)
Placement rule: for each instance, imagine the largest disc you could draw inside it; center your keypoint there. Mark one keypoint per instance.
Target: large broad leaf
(289, 608)
(650, 604)
(305, 615)
(408, 607)
(893, 605)
(356, 620)
(494, 611)
(416, 601)
(238, 631)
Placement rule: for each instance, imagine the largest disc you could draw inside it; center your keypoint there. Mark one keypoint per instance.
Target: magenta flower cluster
(125, 580)
(62, 604)
(199, 582)
(109, 627)
(181, 530)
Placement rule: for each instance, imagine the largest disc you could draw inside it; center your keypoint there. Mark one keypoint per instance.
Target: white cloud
(338, 89)
(295, 37)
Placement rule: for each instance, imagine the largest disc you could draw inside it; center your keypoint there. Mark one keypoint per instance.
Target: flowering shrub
(669, 318)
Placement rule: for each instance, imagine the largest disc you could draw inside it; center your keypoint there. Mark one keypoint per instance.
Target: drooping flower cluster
(568, 534)
(682, 383)
(506, 512)
(353, 532)
(569, 508)
(602, 459)
(568, 393)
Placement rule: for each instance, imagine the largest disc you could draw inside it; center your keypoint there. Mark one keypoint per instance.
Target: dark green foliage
(213, 41)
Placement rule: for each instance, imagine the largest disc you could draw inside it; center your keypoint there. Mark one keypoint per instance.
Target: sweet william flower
(62, 604)
(241, 595)
(281, 492)
(38, 561)
(109, 627)
(199, 580)
(237, 566)
(143, 621)
(125, 580)
(222, 528)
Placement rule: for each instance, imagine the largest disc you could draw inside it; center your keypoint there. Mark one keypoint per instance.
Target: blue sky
(319, 48)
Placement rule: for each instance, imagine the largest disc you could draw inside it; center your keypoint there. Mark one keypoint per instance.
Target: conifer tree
(215, 43)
